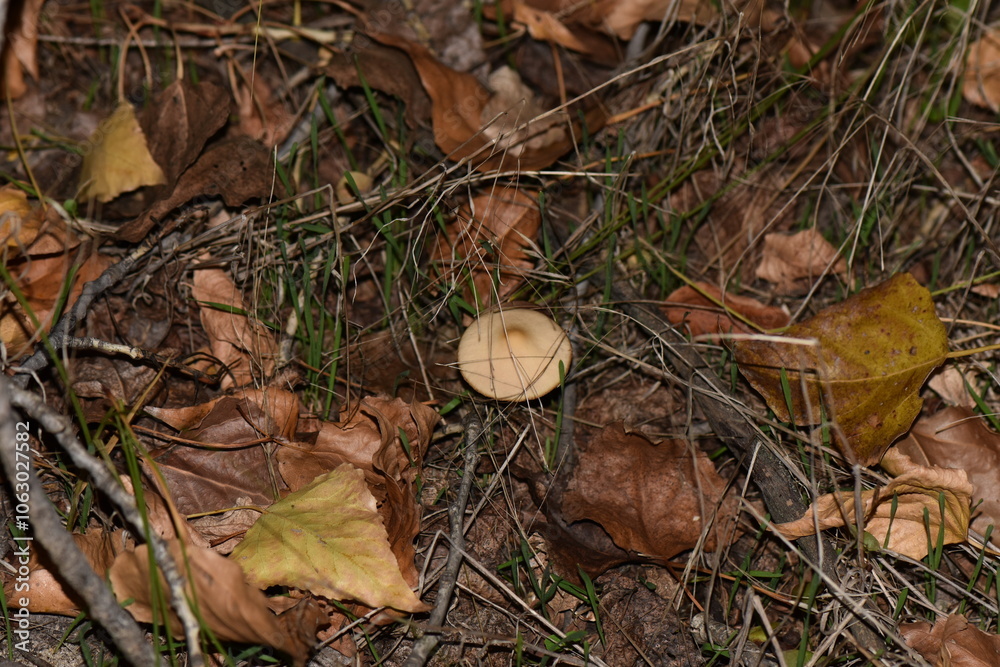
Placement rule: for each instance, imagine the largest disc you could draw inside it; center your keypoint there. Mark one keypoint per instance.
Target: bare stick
(422, 650)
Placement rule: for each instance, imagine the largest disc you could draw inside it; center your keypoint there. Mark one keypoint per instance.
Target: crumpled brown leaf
(231, 608)
(489, 238)
(956, 438)
(653, 499)
(696, 308)
(917, 489)
(245, 346)
(790, 260)
(952, 642)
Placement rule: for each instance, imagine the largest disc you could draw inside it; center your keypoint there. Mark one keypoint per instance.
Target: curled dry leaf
(488, 239)
(704, 310)
(952, 642)
(789, 260)
(981, 82)
(956, 438)
(244, 346)
(234, 610)
(897, 519)
(863, 360)
(548, 26)
(653, 499)
(21, 52)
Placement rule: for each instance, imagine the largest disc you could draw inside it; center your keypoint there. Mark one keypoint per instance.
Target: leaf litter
(263, 345)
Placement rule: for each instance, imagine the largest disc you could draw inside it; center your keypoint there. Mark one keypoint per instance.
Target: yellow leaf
(869, 356)
(910, 524)
(327, 538)
(119, 159)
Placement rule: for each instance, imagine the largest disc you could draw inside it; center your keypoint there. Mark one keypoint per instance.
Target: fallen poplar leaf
(952, 642)
(981, 81)
(119, 160)
(917, 489)
(692, 307)
(871, 355)
(232, 609)
(489, 239)
(327, 538)
(787, 260)
(957, 438)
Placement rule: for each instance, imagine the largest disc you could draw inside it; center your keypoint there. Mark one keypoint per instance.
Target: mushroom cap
(513, 355)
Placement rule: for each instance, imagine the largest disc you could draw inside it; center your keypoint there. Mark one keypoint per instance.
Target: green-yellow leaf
(327, 538)
(118, 160)
(868, 358)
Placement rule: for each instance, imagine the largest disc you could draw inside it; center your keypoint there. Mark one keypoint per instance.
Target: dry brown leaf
(21, 53)
(235, 170)
(950, 385)
(262, 116)
(41, 275)
(956, 438)
(653, 499)
(622, 17)
(803, 256)
(981, 82)
(47, 595)
(119, 159)
(19, 220)
(546, 26)
(989, 290)
(231, 608)
(469, 120)
(952, 642)
(696, 308)
(245, 346)
(739, 213)
(372, 439)
(489, 239)
(916, 488)
(233, 464)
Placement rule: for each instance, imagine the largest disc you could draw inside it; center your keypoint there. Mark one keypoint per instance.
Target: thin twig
(422, 650)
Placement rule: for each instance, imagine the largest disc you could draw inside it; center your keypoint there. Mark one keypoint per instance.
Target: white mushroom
(513, 355)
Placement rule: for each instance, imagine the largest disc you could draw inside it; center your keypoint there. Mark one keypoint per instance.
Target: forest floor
(251, 253)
